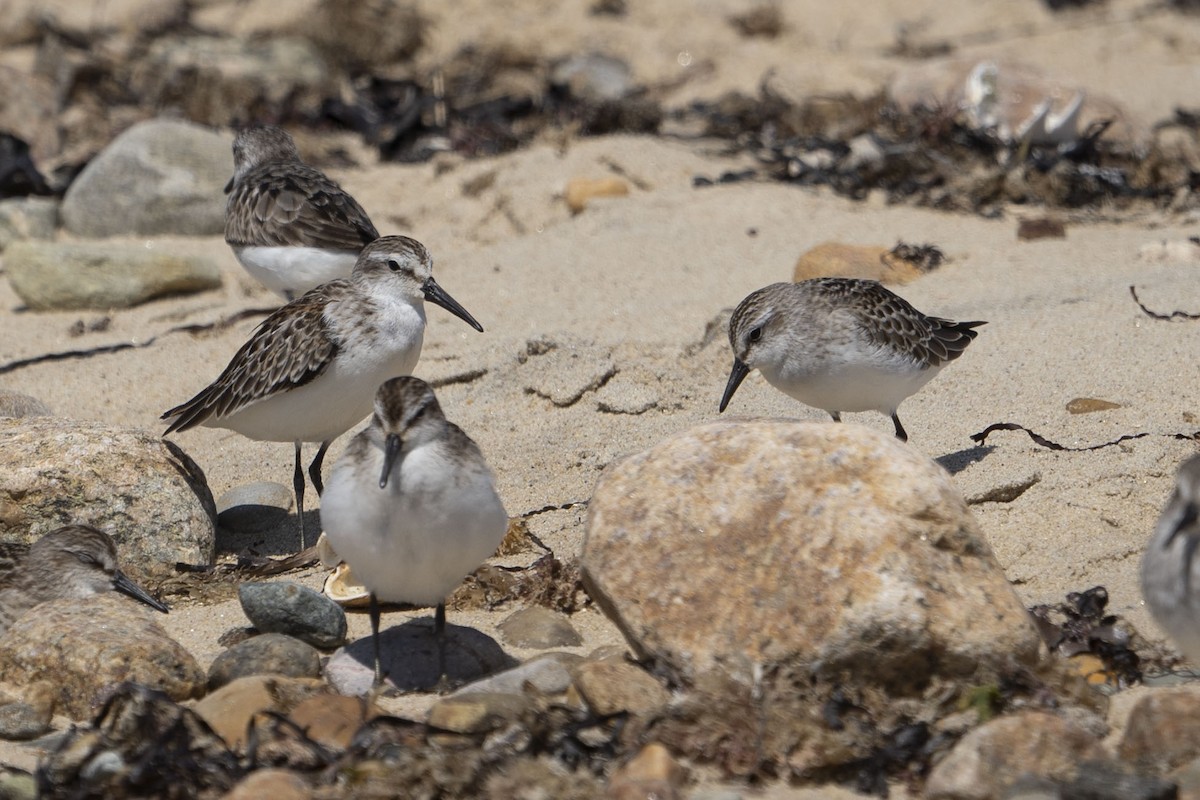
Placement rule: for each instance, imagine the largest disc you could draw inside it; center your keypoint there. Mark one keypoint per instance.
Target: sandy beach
(595, 324)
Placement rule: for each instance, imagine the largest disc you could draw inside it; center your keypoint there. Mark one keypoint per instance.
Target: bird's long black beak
(391, 451)
(229, 186)
(438, 296)
(736, 376)
(122, 584)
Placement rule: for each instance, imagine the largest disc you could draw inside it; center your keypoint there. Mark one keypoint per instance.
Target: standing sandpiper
(841, 344)
(411, 506)
(310, 370)
(289, 225)
(73, 562)
(1170, 570)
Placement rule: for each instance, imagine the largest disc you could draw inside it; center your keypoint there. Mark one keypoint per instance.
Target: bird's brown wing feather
(893, 322)
(290, 348)
(295, 205)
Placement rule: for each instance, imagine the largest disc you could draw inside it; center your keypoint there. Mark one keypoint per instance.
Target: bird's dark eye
(393, 265)
(86, 558)
(756, 334)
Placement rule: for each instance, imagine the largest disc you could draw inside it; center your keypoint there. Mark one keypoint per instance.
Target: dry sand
(628, 286)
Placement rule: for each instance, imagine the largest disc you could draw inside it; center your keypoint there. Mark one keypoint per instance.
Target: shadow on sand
(409, 653)
(956, 462)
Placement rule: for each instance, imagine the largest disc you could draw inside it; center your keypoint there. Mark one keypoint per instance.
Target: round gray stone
(21, 721)
(158, 177)
(549, 673)
(268, 654)
(16, 404)
(296, 610)
(539, 628)
(141, 488)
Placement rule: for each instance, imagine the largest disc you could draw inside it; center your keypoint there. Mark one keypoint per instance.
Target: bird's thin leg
(314, 469)
(837, 416)
(439, 631)
(901, 434)
(298, 485)
(373, 609)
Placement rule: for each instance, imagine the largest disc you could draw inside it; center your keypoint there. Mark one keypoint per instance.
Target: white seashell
(342, 588)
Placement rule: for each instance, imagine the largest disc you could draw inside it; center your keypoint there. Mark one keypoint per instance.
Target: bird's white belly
(1176, 611)
(330, 404)
(415, 540)
(291, 271)
(861, 386)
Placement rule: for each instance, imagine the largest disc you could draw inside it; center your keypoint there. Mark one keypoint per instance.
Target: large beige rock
(828, 550)
(51, 276)
(142, 490)
(91, 645)
(990, 759)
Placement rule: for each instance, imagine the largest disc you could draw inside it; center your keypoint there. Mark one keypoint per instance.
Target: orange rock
(1086, 405)
(581, 190)
(277, 784)
(653, 772)
(835, 259)
(332, 720)
(229, 709)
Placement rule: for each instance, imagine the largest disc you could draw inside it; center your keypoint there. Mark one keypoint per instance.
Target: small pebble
(539, 628)
(1086, 405)
(277, 784)
(1040, 228)
(268, 654)
(296, 610)
(22, 721)
(477, 712)
(546, 674)
(653, 772)
(609, 688)
(581, 191)
(331, 719)
(16, 404)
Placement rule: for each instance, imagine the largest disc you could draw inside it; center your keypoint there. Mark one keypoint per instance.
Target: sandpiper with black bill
(289, 225)
(310, 371)
(1170, 569)
(72, 562)
(841, 344)
(412, 507)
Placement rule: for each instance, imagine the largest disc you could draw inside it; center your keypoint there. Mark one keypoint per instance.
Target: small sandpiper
(1170, 569)
(289, 225)
(72, 562)
(310, 371)
(412, 506)
(841, 344)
